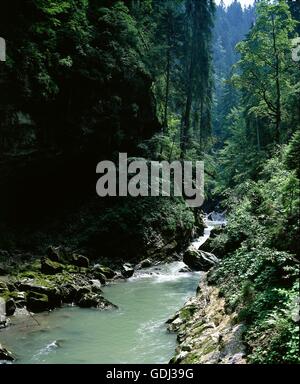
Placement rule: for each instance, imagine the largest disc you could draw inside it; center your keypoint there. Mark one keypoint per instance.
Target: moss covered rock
(50, 267)
(99, 270)
(37, 302)
(207, 334)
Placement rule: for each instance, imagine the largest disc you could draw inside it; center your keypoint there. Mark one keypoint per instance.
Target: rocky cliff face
(207, 334)
(67, 101)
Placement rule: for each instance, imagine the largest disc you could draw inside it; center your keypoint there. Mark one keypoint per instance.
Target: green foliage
(281, 331)
(139, 224)
(178, 56)
(261, 285)
(92, 78)
(232, 24)
(69, 67)
(258, 181)
(265, 70)
(239, 160)
(259, 272)
(292, 153)
(261, 97)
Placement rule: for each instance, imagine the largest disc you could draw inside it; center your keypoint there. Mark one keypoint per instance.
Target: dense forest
(258, 179)
(160, 80)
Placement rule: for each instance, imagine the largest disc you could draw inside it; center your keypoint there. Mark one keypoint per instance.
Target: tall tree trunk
(201, 125)
(197, 67)
(168, 74)
(257, 135)
(278, 89)
(189, 91)
(187, 115)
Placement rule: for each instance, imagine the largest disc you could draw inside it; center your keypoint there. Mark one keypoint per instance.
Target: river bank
(205, 330)
(59, 278)
(135, 332)
(206, 333)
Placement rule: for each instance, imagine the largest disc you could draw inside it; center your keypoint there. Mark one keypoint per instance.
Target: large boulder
(68, 293)
(37, 302)
(26, 285)
(93, 300)
(199, 260)
(147, 263)
(88, 300)
(208, 245)
(81, 292)
(105, 271)
(96, 272)
(144, 264)
(65, 256)
(57, 254)
(54, 298)
(53, 293)
(5, 355)
(10, 307)
(127, 270)
(95, 286)
(80, 261)
(199, 225)
(49, 267)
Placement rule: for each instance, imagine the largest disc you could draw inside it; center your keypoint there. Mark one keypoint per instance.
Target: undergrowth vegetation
(259, 271)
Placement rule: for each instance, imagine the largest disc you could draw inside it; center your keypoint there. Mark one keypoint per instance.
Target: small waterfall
(161, 273)
(217, 217)
(212, 220)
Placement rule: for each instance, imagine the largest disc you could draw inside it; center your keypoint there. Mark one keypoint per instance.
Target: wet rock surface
(94, 300)
(50, 267)
(206, 333)
(127, 270)
(61, 277)
(198, 260)
(5, 355)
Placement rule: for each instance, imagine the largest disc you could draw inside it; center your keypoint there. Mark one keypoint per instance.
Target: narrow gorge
(105, 261)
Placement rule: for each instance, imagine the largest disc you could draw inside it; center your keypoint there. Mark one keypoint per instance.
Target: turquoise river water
(134, 333)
